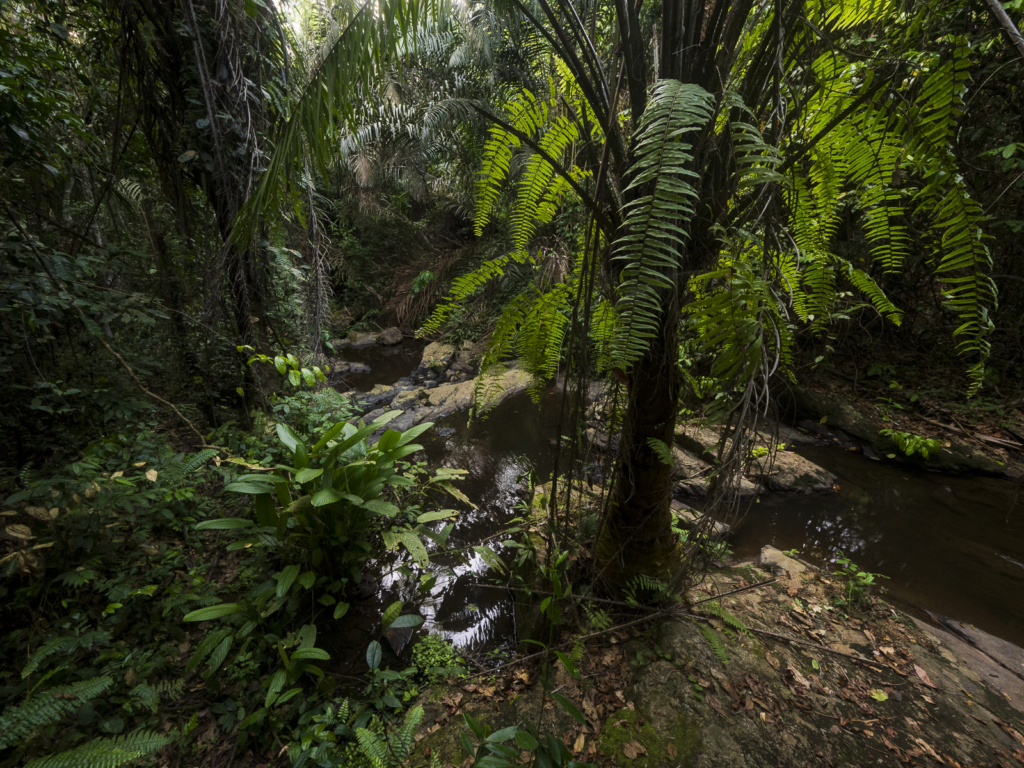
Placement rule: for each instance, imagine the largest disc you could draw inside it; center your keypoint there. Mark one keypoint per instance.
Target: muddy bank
(807, 683)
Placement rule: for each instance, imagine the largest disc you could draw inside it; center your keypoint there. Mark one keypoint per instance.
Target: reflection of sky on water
(948, 544)
(495, 452)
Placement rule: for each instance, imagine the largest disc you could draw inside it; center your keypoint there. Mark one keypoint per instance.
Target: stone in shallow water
(437, 356)
(389, 337)
(792, 473)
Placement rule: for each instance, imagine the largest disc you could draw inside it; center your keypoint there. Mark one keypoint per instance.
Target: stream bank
(949, 544)
(806, 685)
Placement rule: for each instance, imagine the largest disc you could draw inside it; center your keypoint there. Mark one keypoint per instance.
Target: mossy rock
(624, 730)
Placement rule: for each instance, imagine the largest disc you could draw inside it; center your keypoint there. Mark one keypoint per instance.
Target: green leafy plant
(856, 582)
(910, 443)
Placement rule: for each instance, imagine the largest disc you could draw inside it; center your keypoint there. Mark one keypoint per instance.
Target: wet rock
(389, 337)
(690, 520)
(778, 564)
(790, 472)
(699, 440)
(360, 339)
(398, 638)
(429, 383)
(841, 415)
(345, 368)
(437, 356)
(691, 473)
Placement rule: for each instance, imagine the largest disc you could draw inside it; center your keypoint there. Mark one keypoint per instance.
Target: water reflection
(949, 544)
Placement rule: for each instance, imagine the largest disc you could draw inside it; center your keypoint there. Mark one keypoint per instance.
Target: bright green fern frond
(45, 708)
(65, 645)
(193, 463)
(715, 609)
(715, 643)
(652, 240)
(106, 752)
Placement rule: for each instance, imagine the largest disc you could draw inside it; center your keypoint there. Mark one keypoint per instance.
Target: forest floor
(811, 683)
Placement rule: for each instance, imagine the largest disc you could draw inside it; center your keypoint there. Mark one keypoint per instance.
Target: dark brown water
(950, 545)
(387, 364)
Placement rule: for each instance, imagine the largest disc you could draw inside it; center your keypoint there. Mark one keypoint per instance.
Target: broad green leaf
(373, 654)
(285, 579)
(329, 435)
(252, 488)
(224, 524)
(413, 432)
(213, 612)
(325, 497)
(385, 418)
(381, 507)
(307, 579)
(415, 546)
(307, 475)
(311, 653)
(491, 558)
(437, 514)
(391, 613)
(287, 436)
(504, 734)
(526, 741)
(409, 620)
(388, 440)
(569, 666)
(569, 707)
(451, 489)
(340, 610)
(276, 684)
(266, 510)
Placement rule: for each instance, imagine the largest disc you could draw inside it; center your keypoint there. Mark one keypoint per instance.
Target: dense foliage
(689, 200)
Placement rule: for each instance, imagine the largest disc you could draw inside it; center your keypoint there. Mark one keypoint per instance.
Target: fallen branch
(996, 441)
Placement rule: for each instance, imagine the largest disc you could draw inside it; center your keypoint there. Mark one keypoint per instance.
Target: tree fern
(106, 752)
(650, 249)
(39, 710)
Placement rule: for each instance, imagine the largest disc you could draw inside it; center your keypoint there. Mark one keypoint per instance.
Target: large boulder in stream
(791, 473)
(837, 413)
(437, 356)
(389, 337)
(775, 467)
(358, 340)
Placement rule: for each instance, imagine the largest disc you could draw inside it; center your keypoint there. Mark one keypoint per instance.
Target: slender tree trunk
(637, 536)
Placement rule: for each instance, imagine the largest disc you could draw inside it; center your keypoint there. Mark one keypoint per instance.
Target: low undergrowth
(155, 599)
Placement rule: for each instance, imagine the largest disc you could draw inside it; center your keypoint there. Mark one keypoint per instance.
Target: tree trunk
(637, 535)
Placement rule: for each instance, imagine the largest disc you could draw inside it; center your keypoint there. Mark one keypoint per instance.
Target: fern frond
(715, 643)
(19, 722)
(193, 463)
(66, 645)
(145, 696)
(106, 752)
(716, 609)
(653, 233)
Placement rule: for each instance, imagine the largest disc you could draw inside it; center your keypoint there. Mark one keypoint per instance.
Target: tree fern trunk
(637, 535)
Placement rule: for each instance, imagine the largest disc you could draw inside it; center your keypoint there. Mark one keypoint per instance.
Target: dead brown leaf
(633, 749)
(924, 677)
(581, 742)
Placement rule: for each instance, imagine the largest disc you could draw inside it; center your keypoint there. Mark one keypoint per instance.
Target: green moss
(621, 728)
